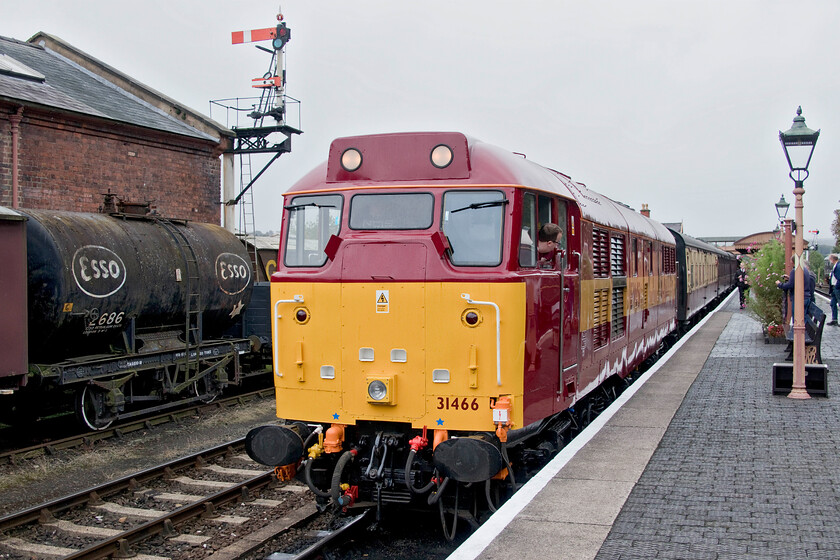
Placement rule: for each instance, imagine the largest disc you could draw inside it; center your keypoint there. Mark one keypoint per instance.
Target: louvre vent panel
(600, 316)
(618, 322)
(600, 253)
(617, 261)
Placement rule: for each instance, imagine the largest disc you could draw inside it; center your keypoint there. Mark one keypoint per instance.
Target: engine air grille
(617, 260)
(618, 326)
(600, 317)
(600, 253)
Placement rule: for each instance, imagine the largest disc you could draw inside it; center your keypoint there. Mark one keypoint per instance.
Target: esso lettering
(233, 273)
(95, 269)
(98, 271)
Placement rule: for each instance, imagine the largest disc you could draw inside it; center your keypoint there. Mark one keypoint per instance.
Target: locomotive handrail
(297, 299)
(498, 335)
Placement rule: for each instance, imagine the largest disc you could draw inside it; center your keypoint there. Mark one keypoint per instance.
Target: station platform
(697, 459)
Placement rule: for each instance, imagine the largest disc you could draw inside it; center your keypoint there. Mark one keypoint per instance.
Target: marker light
(441, 156)
(301, 316)
(377, 390)
(351, 159)
(471, 317)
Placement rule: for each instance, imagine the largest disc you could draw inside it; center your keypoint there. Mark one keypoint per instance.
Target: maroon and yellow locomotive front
(425, 337)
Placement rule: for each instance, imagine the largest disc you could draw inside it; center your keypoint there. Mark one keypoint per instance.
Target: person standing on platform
(833, 286)
(810, 286)
(743, 285)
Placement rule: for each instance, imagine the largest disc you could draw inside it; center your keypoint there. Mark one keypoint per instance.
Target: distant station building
(741, 245)
(73, 128)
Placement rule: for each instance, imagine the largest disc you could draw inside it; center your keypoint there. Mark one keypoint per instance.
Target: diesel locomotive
(121, 312)
(431, 353)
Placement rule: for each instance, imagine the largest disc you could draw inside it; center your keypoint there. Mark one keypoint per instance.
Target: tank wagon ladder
(192, 316)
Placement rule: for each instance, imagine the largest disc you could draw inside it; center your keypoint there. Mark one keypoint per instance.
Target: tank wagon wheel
(91, 408)
(207, 389)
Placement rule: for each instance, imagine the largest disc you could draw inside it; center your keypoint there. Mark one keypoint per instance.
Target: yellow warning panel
(382, 301)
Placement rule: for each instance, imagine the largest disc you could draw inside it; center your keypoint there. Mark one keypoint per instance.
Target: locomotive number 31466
(455, 403)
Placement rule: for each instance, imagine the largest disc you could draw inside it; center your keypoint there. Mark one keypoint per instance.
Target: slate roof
(70, 87)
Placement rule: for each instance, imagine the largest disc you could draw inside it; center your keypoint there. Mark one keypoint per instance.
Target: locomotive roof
(402, 160)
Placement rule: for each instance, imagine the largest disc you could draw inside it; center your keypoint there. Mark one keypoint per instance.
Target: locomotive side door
(567, 375)
(551, 369)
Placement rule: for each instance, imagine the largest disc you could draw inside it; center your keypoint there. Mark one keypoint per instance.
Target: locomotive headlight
(441, 156)
(377, 390)
(351, 159)
(380, 390)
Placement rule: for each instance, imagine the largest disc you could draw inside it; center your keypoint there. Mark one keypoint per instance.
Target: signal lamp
(301, 316)
(377, 390)
(441, 156)
(351, 159)
(282, 36)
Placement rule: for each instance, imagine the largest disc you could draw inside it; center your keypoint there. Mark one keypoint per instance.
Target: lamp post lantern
(798, 143)
(787, 230)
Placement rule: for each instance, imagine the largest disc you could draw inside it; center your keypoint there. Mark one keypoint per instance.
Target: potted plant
(765, 302)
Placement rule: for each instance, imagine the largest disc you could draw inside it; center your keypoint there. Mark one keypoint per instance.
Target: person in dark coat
(810, 286)
(834, 287)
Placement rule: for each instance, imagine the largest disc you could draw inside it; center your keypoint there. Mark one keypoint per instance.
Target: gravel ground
(40, 480)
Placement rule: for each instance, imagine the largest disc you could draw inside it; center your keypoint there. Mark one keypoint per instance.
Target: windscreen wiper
(476, 205)
(299, 206)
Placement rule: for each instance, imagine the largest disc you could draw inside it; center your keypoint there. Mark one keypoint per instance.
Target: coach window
(473, 222)
(312, 220)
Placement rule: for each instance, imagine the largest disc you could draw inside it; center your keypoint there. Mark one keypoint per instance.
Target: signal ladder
(247, 229)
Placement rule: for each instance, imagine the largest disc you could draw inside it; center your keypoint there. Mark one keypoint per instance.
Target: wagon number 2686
(456, 403)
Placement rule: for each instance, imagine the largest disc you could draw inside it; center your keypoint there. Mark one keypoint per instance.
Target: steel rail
(34, 513)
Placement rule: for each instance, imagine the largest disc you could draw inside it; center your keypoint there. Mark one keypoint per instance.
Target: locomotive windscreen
(473, 221)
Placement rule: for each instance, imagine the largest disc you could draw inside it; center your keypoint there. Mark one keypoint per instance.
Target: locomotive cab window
(536, 212)
(312, 220)
(391, 211)
(473, 221)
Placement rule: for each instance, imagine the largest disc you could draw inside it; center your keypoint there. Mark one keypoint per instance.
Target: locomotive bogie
(426, 356)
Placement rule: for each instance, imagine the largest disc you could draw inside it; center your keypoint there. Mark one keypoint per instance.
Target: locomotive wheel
(207, 389)
(91, 409)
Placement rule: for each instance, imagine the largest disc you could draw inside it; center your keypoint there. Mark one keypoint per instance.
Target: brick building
(73, 128)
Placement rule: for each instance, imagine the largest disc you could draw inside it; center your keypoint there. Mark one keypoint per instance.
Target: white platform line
(484, 535)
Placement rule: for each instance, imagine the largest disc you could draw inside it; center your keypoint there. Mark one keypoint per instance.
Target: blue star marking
(440, 422)
(335, 416)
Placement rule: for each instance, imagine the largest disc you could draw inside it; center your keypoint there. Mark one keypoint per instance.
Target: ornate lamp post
(799, 142)
(782, 209)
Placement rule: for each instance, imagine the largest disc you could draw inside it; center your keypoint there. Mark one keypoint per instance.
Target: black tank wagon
(128, 310)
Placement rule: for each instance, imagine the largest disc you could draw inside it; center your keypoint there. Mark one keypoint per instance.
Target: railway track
(217, 499)
(88, 439)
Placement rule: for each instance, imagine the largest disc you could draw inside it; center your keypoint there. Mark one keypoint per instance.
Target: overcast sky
(676, 104)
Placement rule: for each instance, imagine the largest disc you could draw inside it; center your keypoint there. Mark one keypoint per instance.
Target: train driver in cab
(549, 241)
